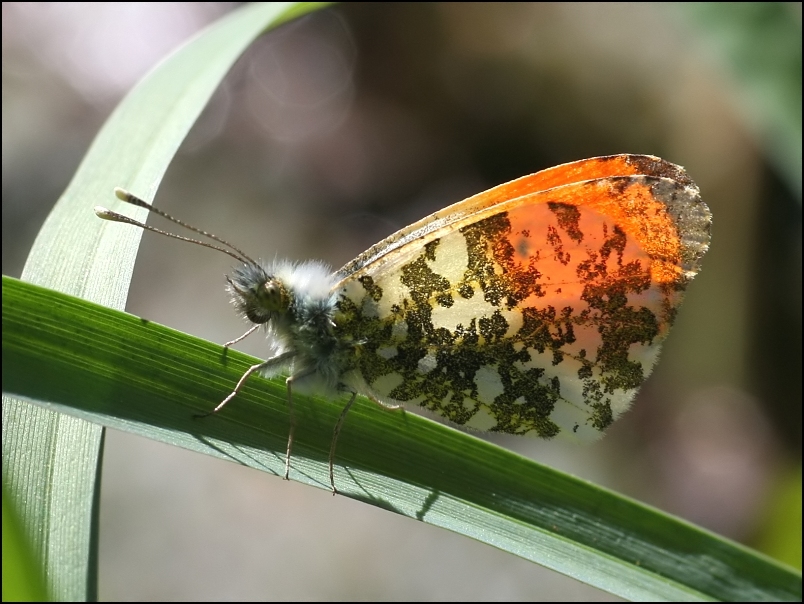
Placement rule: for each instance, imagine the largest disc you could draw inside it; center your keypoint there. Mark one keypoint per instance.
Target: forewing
(535, 314)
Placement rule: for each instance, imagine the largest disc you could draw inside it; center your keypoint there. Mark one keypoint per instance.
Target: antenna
(124, 195)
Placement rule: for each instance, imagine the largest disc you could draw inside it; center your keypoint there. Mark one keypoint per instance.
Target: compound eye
(272, 298)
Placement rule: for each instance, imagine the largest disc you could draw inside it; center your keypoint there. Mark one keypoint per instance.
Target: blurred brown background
(334, 131)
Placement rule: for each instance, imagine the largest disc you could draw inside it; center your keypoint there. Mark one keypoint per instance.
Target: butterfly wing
(533, 308)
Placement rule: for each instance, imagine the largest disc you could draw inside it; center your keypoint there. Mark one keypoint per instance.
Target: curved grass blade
(50, 461)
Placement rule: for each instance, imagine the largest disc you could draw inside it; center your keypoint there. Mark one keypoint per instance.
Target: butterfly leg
(337, 431)
(251, 330)
(289, 384)
(335, 434)
(264, 365)
(292, 428)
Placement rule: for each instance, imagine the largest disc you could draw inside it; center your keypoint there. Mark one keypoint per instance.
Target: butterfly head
(257, 295)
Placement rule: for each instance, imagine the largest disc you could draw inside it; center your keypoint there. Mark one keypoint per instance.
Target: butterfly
(537, 307)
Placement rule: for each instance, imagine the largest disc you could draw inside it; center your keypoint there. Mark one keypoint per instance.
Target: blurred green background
(336, 130)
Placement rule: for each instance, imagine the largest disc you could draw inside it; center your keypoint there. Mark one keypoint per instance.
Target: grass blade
(124, 372)
(50, 461)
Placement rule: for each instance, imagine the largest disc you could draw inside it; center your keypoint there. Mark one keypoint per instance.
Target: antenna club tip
(122, 194)
(102, 212)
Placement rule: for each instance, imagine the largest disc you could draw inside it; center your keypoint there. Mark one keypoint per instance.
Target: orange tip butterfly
(537, 307)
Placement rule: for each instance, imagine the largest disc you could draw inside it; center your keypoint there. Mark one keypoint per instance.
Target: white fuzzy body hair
(312, 279)
(302, 329)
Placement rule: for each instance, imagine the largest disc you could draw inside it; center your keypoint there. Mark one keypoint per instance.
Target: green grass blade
(124, 372)
(50, 461)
